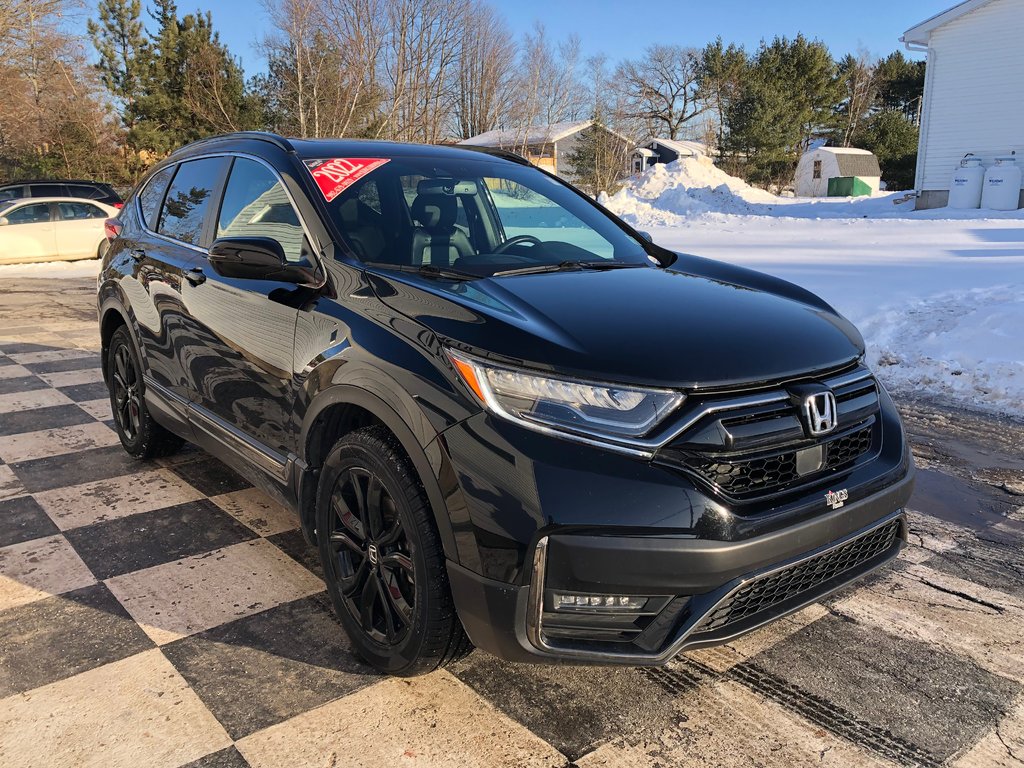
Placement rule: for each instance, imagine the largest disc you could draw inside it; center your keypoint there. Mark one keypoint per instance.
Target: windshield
(477, 217)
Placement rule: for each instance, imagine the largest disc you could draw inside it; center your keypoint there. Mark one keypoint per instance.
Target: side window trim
(314, 243)
(139, 213)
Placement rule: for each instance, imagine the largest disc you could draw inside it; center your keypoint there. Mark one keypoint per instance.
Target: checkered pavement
(168, 614)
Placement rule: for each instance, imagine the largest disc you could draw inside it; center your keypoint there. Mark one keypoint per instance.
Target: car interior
(473, 225)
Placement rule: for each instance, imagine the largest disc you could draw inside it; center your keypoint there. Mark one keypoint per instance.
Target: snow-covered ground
(938, 295)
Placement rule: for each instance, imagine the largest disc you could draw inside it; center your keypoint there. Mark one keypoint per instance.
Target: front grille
(768, 591)
(765, 474)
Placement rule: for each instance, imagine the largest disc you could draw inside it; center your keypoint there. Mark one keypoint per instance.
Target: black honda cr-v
(503, 416)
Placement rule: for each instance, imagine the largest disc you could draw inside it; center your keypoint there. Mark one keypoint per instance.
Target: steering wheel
(516, 241)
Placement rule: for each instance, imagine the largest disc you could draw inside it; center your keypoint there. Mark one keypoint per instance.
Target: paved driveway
(168, 614)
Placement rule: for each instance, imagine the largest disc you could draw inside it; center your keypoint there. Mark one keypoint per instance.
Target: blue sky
(622, 28)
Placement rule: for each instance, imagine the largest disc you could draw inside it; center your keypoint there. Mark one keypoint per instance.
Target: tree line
(144, 80)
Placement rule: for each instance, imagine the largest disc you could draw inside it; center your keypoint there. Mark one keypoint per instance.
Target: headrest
(435, 212)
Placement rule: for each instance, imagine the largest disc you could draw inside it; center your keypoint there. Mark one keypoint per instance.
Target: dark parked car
(88, 190)
(502, 415)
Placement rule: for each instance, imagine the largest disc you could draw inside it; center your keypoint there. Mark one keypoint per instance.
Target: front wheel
(382, 558)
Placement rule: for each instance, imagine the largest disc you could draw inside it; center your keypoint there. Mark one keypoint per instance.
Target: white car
(52, 228)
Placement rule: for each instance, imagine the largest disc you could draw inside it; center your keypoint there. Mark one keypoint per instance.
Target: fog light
(600, 603)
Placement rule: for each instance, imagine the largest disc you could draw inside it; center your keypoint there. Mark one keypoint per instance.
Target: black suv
(502, 415)
(88, 190)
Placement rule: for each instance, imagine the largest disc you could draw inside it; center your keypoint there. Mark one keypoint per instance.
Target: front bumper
(708, 592)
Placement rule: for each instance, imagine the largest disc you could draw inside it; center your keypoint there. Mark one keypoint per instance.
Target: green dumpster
(848, 186)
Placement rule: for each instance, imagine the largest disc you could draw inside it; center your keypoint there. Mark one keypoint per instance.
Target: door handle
(195, 276)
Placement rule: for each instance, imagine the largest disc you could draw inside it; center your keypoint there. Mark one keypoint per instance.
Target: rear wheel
(382, 558)
(140, 436)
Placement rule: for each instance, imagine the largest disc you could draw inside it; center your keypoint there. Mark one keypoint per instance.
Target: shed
(818, 166)
(546, 146)
(973, 93)
(653, 151)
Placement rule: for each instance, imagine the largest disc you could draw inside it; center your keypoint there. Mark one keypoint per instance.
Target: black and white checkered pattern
(168, 614)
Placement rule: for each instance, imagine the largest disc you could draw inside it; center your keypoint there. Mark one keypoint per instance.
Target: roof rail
(504, 154)
(271, 138)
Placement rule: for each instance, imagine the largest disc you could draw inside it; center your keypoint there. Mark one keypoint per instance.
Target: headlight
(581, 407)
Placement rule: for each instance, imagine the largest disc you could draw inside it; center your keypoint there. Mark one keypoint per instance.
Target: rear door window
(48, 190)
(256, 205)
(12, 193)
(188, 199)
(152, 195)
(73, 211)
(86, 191)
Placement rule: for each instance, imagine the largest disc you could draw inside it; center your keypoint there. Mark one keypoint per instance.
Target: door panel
(241, 365)
(165, 263)
(28, 235)
(79, 230)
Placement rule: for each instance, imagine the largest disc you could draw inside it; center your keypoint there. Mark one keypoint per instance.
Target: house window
(817, 169)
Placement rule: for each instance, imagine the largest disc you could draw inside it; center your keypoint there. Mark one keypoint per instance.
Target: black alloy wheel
(371, 562)
(384, 565)
(140, 435)
(125, 392)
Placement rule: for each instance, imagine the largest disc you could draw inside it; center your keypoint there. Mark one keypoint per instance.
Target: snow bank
(691, 188)
(51, 269)
(665, 194)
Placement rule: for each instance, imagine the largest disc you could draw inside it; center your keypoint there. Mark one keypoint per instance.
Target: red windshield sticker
(335, 176)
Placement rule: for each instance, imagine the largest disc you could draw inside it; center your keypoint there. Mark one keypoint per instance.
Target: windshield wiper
(568, 266)
(427, 270)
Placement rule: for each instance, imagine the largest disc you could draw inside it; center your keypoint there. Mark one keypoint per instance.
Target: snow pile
(964, 344)
(665, 194)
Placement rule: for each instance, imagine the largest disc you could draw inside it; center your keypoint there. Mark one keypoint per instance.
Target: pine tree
(120, 40)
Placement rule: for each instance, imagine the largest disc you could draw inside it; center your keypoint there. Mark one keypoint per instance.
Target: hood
(660, 327)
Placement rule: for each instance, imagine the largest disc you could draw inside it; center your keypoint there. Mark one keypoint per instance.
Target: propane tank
(965, 188)
(1001, 191)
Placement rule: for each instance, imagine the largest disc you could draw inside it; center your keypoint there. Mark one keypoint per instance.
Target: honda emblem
(820, 413)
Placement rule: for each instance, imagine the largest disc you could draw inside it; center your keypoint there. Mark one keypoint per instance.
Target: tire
(140, 435)
(382, 557)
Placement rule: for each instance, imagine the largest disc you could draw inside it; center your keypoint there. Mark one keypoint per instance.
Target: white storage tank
(968, 179)
(1001, 191)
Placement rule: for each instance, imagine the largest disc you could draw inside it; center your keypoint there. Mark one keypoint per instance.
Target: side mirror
(646, 236)
(3, 221)
(253, 258)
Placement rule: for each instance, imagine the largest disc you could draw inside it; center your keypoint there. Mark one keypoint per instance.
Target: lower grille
(766, 474)
(768, 591)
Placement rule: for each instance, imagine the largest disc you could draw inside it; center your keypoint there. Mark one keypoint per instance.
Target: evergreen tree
(788, 99)
(120, 40)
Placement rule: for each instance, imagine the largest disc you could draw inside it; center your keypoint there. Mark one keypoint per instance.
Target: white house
(820, 164)
(654, 151)
(973, 90)
(546, 146)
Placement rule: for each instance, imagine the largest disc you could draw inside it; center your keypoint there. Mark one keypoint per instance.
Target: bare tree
(663, 88)
(485, 73)
(858, 74)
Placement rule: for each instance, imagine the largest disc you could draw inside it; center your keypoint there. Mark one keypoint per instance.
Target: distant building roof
(538, 134)
(919, 34)
(682, 147)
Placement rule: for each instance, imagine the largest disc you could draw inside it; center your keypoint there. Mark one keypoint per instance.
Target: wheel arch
(343, 408)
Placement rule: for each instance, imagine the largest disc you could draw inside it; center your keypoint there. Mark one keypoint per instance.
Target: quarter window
(83, 190)
(38, 213)
(188, 199)
(152, 195)
(12, 193)
(257, 205)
